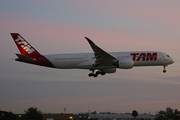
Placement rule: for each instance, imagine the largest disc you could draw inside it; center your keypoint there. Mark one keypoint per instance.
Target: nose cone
(172, 61)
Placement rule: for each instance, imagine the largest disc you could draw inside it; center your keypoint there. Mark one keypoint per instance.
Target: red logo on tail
(24, 45)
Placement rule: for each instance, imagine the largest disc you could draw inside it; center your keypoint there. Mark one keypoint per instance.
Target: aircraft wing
(102, 57)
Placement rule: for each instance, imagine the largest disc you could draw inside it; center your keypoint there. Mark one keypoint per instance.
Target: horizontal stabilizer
(24, 57)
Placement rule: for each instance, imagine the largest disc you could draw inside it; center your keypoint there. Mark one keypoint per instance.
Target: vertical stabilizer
(28, 53)
(24, 47)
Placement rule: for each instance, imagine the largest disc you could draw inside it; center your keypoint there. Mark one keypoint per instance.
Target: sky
(59, 26)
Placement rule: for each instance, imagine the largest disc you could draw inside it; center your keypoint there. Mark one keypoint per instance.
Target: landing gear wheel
(95, 75)
(164, 71)
(91, 74)
(98, 72)
(103, 73)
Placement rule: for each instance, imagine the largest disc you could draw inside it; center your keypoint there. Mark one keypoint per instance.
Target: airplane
(100, 61)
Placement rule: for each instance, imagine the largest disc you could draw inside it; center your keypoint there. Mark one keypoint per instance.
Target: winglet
(90, 41)
(92, 44)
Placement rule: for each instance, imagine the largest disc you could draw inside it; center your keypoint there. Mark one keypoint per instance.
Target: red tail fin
(24, 47)
(28, 53)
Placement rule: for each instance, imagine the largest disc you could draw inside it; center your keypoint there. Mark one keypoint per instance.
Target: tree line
(7, 115)
(169, 113)
(35, 114)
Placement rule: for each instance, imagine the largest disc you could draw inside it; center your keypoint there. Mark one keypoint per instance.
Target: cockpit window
(168, 56)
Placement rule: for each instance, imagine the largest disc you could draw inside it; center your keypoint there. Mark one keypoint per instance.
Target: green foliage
(95, 112)
(170, 114)
(33, 114)
(161, 118)
(162, 112)
(7, 115)
(134, 114)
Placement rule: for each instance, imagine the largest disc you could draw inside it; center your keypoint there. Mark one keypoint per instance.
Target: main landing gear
(96, 74)
(164, 71)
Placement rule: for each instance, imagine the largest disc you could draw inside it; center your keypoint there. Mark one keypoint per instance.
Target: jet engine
(109, 70)
(126, 63)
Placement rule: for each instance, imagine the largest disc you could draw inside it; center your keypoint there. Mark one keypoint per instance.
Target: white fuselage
(87, 60)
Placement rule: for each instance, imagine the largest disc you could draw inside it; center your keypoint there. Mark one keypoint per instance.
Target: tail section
(24, 47)
(28, 53)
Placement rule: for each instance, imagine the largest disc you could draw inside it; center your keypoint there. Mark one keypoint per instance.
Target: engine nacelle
(126, 63)
(110, 70)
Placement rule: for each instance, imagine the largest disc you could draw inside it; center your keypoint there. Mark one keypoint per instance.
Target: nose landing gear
(164, 71)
